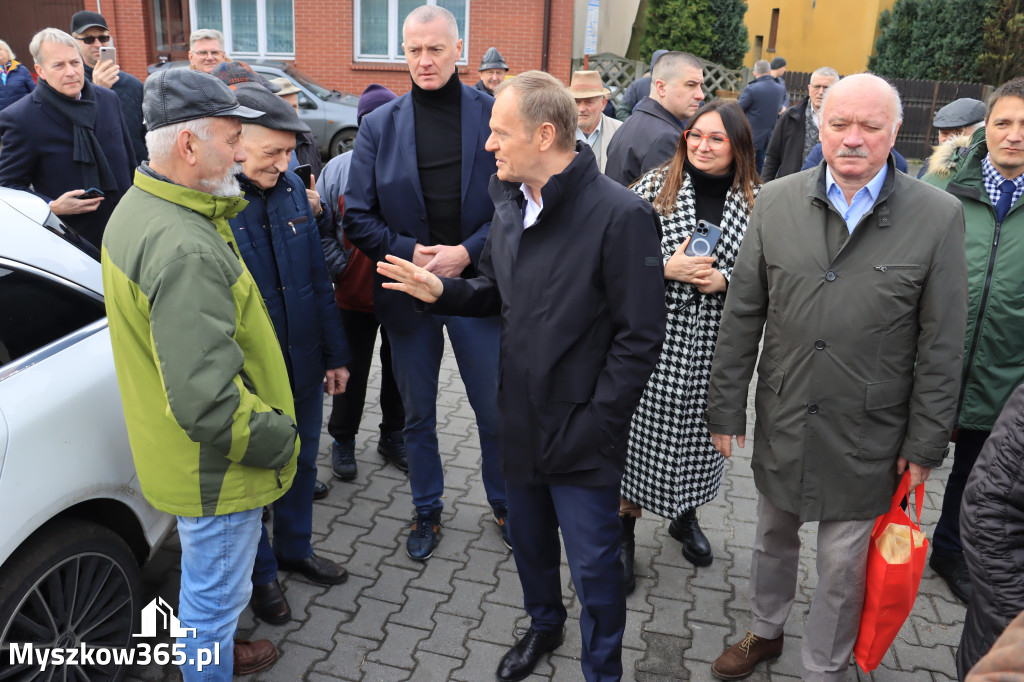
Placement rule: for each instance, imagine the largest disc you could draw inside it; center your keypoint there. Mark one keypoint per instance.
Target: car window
(317, 89)
(36, 311)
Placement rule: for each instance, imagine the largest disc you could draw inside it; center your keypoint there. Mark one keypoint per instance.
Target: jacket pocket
(569, 437)
(770, 376)
(886, 408)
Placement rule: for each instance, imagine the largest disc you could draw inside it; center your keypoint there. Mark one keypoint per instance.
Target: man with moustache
(66, 137)
(856, 275)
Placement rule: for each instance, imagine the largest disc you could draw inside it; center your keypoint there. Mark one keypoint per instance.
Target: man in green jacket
(989, 182)
(206, 395)
(856, 274)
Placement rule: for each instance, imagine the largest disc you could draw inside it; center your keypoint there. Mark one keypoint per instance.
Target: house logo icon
(158, 615)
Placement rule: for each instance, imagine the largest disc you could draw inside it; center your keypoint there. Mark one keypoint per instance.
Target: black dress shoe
(269, 604)
(320, 490)
(521, 659)
(696, 548)
(953, 569)
(316, 569)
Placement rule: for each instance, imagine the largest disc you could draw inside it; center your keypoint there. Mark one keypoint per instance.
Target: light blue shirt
(863, 200)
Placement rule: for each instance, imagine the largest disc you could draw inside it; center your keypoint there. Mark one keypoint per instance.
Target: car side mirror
(305, 102)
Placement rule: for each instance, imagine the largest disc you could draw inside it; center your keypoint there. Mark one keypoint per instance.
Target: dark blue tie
(1006, 188)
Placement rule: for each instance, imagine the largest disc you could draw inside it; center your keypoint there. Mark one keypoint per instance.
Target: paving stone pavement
(453, 617)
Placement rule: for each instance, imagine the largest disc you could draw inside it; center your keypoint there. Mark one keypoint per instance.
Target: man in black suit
(66, 137)
(573, 264)
(761, 101)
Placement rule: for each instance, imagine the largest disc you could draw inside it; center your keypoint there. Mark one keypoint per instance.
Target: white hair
(205, 34)
(826, 72)
(762, 67)
(49, 35)
(160, 142)
(10, 52)
(424, 14)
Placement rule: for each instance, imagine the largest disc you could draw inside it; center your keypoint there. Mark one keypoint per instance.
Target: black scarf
(88, 153)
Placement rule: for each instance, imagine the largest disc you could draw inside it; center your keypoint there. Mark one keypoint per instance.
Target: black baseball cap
(179, 95)
(86, 19)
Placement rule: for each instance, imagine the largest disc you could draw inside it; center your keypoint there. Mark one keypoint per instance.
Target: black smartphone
(305, 173)
(704, 239)
(91, 193)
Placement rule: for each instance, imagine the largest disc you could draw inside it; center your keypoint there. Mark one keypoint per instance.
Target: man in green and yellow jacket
(206, 395)
(988, 179)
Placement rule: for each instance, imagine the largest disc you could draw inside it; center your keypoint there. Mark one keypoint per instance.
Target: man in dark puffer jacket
(992, 532)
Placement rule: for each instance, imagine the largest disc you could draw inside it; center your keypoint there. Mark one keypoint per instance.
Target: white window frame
(261, 30)
(395, 54)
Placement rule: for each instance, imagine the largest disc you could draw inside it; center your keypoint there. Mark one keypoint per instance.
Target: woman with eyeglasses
(15, 80)
(709, 185)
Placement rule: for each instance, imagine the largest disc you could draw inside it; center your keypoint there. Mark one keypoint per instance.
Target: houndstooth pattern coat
(671, 465)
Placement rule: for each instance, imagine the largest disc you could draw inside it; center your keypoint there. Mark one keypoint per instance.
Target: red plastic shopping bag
(896, 558)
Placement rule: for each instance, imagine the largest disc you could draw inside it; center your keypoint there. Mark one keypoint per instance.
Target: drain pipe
(546, 46)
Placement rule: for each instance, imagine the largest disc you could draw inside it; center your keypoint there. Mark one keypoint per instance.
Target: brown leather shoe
(268, 603)
(251, 657)
(739, 660)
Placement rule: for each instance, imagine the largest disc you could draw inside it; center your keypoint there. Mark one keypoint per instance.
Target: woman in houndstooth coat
(672, 468)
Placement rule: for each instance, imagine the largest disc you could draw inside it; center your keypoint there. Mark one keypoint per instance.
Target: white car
(75, 527)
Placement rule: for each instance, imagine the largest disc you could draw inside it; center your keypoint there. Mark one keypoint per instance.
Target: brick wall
(325, 40)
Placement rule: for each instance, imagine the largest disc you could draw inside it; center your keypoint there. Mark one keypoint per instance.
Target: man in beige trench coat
(858, 276)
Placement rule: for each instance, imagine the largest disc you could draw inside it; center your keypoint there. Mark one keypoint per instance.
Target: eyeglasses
(715, 141)
(89, 40)
(208, 53)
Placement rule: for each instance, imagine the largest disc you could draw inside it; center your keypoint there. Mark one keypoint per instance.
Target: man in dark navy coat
(417, 188)
(762, 102)
(574, 266)
(66, 137)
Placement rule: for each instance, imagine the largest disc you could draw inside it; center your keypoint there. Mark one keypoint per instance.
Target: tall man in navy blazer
(574, 265)
(418, 189)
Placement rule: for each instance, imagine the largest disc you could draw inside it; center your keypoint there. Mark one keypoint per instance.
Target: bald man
(857, 274)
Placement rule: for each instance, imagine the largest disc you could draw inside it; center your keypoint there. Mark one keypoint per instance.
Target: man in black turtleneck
(418, 189)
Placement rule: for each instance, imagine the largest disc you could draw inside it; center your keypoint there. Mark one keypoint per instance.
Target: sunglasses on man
(89, 40)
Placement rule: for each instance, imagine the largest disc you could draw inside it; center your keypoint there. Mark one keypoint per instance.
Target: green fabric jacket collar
(967, 174)
(217, 208)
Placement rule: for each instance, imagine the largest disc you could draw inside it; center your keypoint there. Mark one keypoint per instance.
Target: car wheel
(343, 141)
(76, 583)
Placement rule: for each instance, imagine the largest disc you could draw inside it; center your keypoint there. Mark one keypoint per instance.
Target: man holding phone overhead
(66, 137)
(100, 61)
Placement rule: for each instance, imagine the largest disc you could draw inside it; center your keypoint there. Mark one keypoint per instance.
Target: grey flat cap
(492, 59)
(959, 113)
(179, 95)
(278, 114)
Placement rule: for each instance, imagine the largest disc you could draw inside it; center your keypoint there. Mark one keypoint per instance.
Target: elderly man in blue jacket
(279, 241)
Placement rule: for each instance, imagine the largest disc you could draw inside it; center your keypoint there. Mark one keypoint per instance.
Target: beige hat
(587, 84)
(287, 87)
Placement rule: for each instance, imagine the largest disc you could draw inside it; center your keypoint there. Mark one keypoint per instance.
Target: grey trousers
(834, 616)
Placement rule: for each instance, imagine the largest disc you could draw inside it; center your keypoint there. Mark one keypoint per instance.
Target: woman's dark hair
(738, 131)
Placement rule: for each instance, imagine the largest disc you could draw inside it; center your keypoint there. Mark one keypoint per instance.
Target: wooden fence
(921, 99)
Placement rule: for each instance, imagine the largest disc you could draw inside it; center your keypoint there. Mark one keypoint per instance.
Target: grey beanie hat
(492, 59)
(958, 113)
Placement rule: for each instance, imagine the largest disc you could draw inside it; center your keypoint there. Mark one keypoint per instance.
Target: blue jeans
(591, 531)
(416, 360)
(293, 511)
(217, 554)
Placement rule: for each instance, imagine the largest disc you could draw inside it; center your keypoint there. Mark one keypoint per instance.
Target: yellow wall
(813, 33)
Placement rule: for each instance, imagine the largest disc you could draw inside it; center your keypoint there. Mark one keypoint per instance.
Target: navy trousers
(293, 511)
(946, 539)
(416, 360)
(591, 531)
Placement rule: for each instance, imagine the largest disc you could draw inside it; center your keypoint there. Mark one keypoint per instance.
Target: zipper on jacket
(976, 336)
(883, 268)
(277, 473)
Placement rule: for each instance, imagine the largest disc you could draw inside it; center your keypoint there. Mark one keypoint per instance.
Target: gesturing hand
(412, 279)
